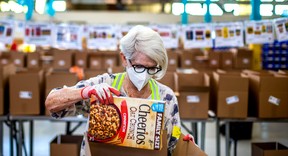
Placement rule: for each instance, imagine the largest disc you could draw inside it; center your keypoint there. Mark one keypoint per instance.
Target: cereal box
(131, 122)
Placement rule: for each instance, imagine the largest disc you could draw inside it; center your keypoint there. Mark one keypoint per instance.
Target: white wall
(115, 17)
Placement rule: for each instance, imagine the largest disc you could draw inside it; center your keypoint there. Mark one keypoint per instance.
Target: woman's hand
(103, 92)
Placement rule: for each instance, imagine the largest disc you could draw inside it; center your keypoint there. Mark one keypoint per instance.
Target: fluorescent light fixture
(266, 9)
(4, 6)
(59, 6)
(40, 6)
(279, 9)
(177, 8)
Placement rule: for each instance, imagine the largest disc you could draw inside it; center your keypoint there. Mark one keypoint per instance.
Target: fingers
(103, 93)
(115, 91)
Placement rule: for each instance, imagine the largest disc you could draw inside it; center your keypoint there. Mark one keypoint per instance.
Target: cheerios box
(130, 122)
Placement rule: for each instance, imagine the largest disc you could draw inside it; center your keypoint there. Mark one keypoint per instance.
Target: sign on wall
(228, 34)
(281, 29)
(102, 37)
(259, 32)
(6, 31)
(197, 36)
(68, 36)
(39, 34)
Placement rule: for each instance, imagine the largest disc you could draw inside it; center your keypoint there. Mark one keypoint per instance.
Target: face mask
(138, 79)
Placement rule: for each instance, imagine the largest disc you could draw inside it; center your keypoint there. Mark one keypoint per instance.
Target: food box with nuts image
(131, 122)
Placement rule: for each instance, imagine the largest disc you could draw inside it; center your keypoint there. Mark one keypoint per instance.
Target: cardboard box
(129, 122)
(96, 60)
(5, 58)
(101, 149)
(89, 73)
(66, 145)
(186, 59)
(169, 80)
(243, 58)
(116, 69)
(59, 79)
(33, 60)
(5, 72)
(110, 59)
(193, 95)
(214, 59)
(172, 60)
(18, 58)
(62, 60)
(187, 148)
(81, 59)
(268, 96)
(230, 93)
(269, 149)
(26, 93)
(226, 60)
(201, 62)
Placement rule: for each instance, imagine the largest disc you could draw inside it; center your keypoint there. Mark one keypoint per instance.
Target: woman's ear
(123, 59)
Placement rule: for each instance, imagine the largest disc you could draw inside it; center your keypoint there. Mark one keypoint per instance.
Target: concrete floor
(45, 131)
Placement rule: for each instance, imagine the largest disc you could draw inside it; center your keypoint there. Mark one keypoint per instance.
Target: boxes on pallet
(96, 60)
(81, 59)
(5, 58)
(172, 60)
(66, 145)
(169, 80)
(33, 60)
(226, 60)
(18, 58)
(110, 59)
(26, 93)
(214, 59)
(89, 73)
(187, 57)
(5, 72)
(242, 58)
(269, 149)
(62, 60)
(268, 95)
(230, 95)
(193, 95)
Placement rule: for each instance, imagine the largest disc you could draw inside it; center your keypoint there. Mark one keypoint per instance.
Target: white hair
(145, 40)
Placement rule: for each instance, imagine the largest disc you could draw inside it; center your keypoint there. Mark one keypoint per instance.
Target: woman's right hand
(102, 91)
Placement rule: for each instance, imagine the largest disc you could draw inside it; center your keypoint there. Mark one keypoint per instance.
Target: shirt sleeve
(82, 107)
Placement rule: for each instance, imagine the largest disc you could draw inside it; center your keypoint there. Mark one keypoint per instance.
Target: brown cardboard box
(201, 62)
(18, 58)
(26, 93)
(172, 60)
(116, 69)
(193, 95)
(230, 93)
(101, 149)
(96, 60)
(33, 60)
(5, 58)
(62, 60)
(214, 59)
(186, 59)
(269, 149)
(89, 73)
(110, 59)
(5, 72)
(81, 59)
(187, 148)
(169, 80)
(268, 96)
(66, 145)
(242, 58)
(226, 60)
(59, 79)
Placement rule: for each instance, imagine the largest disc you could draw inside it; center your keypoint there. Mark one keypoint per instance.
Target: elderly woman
(145, 59)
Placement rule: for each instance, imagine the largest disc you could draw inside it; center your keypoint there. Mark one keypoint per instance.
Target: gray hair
(145, 40)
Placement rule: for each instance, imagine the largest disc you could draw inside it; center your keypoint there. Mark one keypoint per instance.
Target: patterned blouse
(171, 117)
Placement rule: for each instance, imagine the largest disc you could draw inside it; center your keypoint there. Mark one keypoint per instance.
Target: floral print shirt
(171, 117)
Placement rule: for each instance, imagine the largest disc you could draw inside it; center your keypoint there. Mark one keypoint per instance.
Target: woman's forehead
(143, 59)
